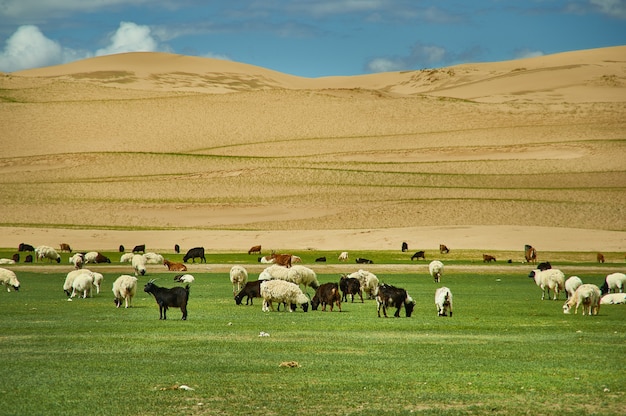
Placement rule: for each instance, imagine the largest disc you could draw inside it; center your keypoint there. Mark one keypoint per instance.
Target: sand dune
(172, 144)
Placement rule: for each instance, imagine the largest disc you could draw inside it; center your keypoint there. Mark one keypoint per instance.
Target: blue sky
(310, 38)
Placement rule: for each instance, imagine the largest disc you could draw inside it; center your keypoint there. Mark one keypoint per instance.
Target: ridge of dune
(591, 75)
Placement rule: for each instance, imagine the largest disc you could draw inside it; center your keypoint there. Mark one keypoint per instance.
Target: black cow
(391, 296)
(193, 253)
(419, 255)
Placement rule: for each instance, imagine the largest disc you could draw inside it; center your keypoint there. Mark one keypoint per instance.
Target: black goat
(122, 248)
(326, 294)
(25, 247)
(176, 248)
(176, 297)
(360, 260)
(250, 290)
(391, 296)
(544, 266)
(193, 253)
(419, 255)
(350, 286)
(321, 259)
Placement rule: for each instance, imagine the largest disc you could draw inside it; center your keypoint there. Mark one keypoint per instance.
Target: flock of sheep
(282, 284)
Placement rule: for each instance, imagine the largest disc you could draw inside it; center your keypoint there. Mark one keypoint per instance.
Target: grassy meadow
(503, 352)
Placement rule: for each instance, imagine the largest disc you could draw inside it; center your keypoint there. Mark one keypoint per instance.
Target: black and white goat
(391, 296)
(250, 290)
(176, 297)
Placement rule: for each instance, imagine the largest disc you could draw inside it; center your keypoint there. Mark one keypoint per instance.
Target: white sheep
(69, 280)
(613, 299)
(97, 280)
(47, 252)
(7, 261)
(83, 283)
(369, 282)
(184, 278)
(126, 257)
(571, 285)
(77, 260)
(282, 291)
(139, 264)
(587, 295)
(266, 259)
(9, 279)
(343, 256)
(90, 257)
(302, 275)
(615, 282)
(125, 288)
(435, 268)
(551, 279)
(275, 271)
(238, 277)
(153, 258)
(443, 301)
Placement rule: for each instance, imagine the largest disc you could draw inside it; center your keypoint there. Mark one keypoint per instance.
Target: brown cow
(488, 258)
(600, 258)
(255, 249)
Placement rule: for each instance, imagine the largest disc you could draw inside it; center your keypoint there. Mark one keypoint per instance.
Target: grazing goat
(124, 288)
(615, 282)
(435, 268)
(391, 296)
(255, 249)
(65, 247)
(350, 286)
(176, 248)
(173, 266)
(405, 247)
(600, 258)
(140, 248)
(530, 254)
(9, 280)
(326, 294)
(194, 253)
(419, 255)
(343, 256)
(443, 301)
(360, 260)
(238, 277)
(282, 291)
(487, 258)
(443, 249)
(176, 297)
(587, 295)
(78, 260)
(95, 257)
(25, 247)
(551, 279)
(281, 259)
(250, 290)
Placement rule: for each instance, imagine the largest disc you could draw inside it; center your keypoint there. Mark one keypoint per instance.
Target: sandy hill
(223, 154)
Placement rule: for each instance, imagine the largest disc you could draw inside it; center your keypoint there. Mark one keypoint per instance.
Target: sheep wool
(435, 268)
(282, 291)
(238, 278)
(587, 295)
(9, 279)
(124, 288)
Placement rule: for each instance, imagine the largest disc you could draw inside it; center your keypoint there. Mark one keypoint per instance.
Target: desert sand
(162, 149)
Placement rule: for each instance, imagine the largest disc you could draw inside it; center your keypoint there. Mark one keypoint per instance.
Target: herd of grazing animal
(286, 283)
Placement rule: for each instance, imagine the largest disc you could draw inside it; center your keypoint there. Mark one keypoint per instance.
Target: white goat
(9, 279)
(613, 299)
(125, 288)
(587, 295)
(282, 291)
(571, 285)
(83, 283)
(238, 277)
(47, 252)
(443, 301)
(551, 279)
(343, 256)
(184, 278)
(126, 257)
(153, 258)
(435, 268)
(139, 264)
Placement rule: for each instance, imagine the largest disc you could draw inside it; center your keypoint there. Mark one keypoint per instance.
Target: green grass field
(503, 352)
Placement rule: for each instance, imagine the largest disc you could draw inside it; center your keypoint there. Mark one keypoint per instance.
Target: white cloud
(29, 48)
(385, 65)
(527, 53)
(420, 56)
(614, 8)
(130, 37)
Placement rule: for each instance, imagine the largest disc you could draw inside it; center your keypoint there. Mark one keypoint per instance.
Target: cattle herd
(285, 282)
